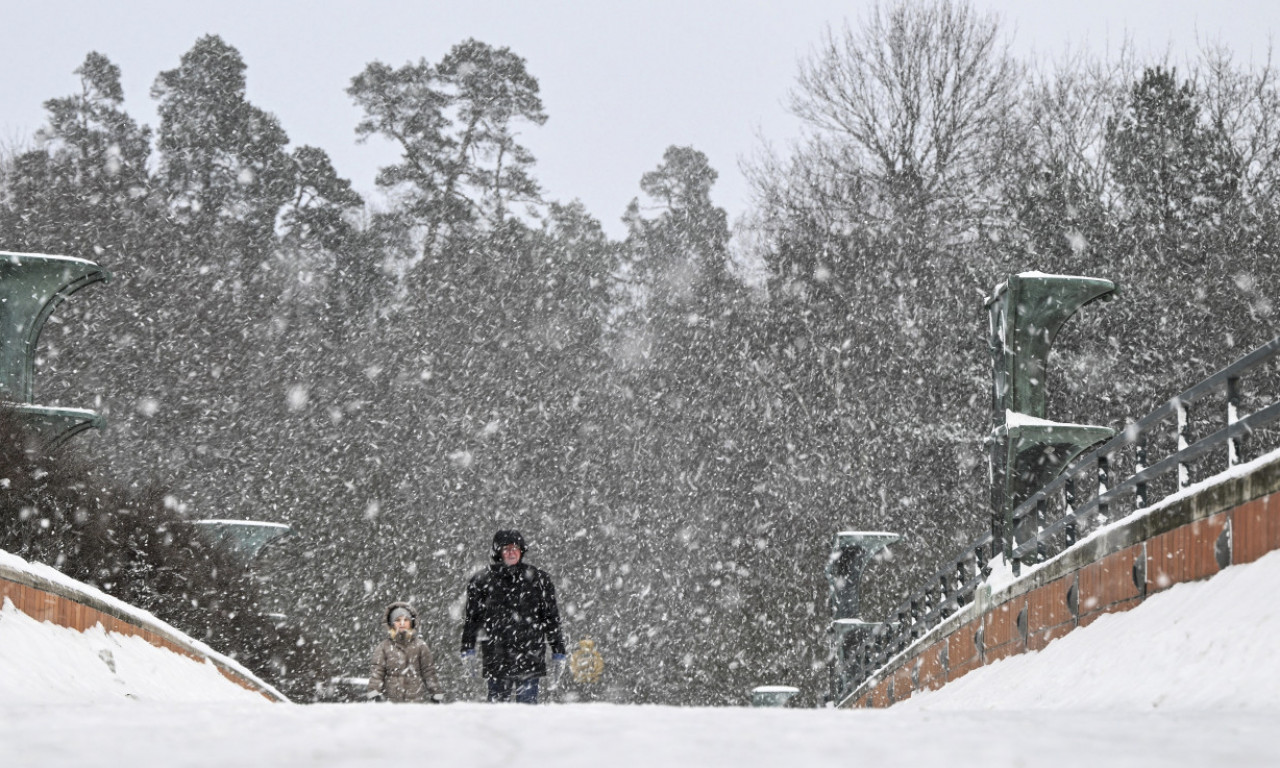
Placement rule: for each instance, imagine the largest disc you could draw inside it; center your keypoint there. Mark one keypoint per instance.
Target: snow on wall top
(43, 576)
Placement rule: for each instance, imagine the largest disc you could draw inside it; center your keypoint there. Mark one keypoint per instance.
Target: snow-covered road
(1190, 678)
(219, 735)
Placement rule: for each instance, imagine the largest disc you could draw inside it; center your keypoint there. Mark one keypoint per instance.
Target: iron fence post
(1233, 406)
(1140, 491)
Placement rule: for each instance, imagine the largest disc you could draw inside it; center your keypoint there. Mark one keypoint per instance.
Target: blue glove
(558, 664)
(471, 664)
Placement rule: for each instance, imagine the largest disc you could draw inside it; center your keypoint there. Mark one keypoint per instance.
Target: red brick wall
(1001, 635)
(902, 684)
(931, 670)
(1049, 614)
(963, 651)
(881, 696)
(1255, 529)
(1109, 581)
(1184, 554)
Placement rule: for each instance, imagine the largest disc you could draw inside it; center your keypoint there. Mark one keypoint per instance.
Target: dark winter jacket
(402, 667)
(512, 613)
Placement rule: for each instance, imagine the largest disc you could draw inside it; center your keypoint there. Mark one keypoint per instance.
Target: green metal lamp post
(1027, 451)
(849, 636)
(31, 286)
(850, 555)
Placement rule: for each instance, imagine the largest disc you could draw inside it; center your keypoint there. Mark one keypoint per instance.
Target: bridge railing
(1206, 430)
(1215, 425)
(945, 593)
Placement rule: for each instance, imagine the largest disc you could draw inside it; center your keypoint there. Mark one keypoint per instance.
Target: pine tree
(455, 123)
(85, 191)
(224, 170)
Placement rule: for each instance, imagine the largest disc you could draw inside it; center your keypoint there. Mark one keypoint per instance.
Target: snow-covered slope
(47, 664)
(43, 662)
(1206, 645)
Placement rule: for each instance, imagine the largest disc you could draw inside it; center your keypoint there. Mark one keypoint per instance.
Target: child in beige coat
(402, 666)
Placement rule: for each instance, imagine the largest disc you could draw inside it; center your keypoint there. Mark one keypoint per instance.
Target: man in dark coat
(512, 614)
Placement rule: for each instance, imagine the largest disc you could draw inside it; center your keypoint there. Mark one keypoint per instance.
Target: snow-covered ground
(1190, 678)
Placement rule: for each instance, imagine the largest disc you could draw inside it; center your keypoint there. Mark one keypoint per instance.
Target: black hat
(503, 538)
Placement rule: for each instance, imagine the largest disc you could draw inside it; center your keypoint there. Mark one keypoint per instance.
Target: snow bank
(32, 652)
(42, 663)
(1206, 645)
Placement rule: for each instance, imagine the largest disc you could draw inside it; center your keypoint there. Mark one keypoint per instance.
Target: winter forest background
(680, 420)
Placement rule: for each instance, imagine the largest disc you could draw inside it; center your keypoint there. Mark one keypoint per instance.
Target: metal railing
(1184, 432)
(945, 593)
(1194, 441)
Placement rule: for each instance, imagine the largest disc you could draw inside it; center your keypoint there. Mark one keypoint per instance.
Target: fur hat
(396, 610)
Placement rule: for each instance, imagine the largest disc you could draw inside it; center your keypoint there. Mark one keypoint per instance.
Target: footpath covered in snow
(1201, 688)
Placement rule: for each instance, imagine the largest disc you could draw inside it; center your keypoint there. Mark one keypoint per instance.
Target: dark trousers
(525, 691)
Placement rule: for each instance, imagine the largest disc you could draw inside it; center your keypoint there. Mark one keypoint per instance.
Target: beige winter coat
(402, 668)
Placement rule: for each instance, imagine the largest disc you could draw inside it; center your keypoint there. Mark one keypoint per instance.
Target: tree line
(396, 380)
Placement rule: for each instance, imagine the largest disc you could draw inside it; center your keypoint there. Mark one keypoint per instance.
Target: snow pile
(42, 663)
(1207, 645)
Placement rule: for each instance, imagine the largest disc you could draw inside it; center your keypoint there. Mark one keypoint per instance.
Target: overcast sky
(621, 79)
